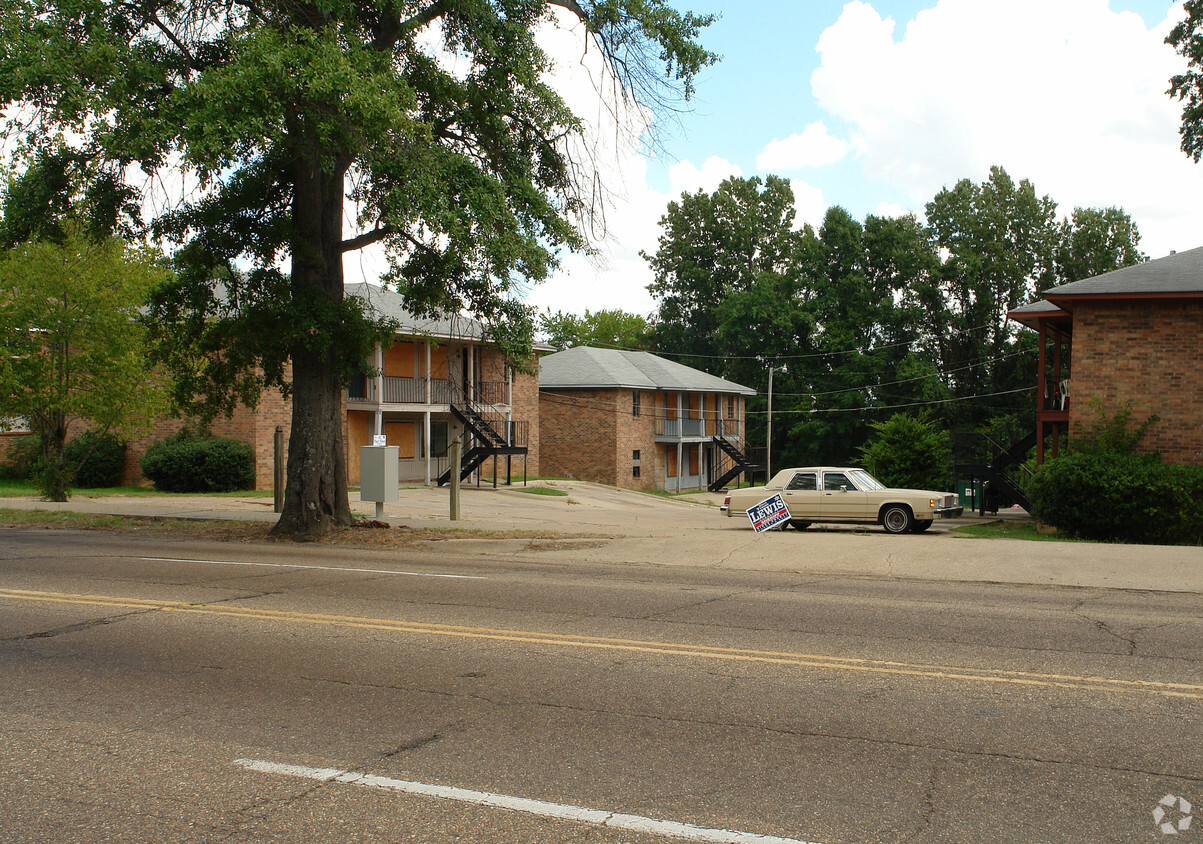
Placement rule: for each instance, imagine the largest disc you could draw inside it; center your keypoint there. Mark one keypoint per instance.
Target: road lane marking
(542, 808)
(804, 660)
(316, 568)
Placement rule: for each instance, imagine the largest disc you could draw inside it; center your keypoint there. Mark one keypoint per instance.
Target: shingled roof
(1179, 273)
(585, 367)
(392, 304)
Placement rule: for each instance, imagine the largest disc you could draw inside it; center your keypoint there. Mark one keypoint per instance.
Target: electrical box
(379, 467)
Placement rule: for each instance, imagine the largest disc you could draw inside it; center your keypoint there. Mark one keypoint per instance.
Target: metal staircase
(997, 470)
(740, 462)
(483, 438)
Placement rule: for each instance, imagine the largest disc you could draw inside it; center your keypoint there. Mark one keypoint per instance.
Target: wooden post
(457, 447)
(278, 470)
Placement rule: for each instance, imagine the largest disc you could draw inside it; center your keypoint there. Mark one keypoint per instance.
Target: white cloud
(1069, 94)
(809, 202)
(687, 177)
(814, 147)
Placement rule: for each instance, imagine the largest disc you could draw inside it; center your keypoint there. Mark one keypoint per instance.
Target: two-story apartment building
(438, 380)
(1130, 335)
(640, 421)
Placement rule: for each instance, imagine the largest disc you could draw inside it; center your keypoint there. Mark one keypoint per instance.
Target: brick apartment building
(636, 420)
(436, 374)
(1132, 334)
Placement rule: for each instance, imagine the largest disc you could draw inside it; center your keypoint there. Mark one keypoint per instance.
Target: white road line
(559, 811)
(317, 568)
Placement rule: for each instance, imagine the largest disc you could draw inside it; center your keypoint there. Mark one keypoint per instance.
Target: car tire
(897, 518)
(799, 525)
(921, 525)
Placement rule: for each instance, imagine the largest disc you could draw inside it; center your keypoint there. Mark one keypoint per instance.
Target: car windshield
(864, 480)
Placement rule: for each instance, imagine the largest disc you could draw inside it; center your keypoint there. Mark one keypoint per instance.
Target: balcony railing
(680, 428)
(398, 390)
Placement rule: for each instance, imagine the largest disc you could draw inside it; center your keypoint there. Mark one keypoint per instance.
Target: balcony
(397, 390)
(674, 430)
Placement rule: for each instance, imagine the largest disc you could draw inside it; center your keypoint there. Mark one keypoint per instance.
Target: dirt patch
(369, 533)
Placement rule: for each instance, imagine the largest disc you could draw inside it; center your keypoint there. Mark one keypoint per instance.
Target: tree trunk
(315, 495)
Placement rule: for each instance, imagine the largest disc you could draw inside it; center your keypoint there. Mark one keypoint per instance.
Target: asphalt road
(167, 691)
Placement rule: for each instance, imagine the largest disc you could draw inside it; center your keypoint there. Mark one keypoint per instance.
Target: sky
(876, 106)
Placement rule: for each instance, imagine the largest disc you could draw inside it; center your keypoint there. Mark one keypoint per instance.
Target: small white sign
(379, 439)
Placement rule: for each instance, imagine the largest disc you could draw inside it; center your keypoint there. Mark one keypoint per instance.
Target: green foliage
(72, 350)
(436, 120)
(187, 462)
(909, 452)
(1109, 433)
(24, 460)
(1094, 242)
(95, 460)
(1187, 38)
(606, 329)
(1120, 497)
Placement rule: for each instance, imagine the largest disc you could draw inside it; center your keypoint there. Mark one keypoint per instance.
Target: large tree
(608, 329)
(1187, 38)
(722, 260)
(431, 122)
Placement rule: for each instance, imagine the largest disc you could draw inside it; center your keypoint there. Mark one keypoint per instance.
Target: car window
(803, 481)
(835, 480)
(864, 480)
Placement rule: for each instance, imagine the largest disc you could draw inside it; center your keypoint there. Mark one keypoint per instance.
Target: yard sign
(768, 514)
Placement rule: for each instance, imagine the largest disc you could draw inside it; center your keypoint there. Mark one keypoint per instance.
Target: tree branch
(366, 239)
(572, 6)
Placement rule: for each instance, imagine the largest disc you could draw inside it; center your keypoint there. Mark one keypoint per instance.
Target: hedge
(1120, 498)
(186, 462)
(103, 455)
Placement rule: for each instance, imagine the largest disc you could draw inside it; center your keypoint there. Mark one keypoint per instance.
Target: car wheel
(921, 525)
(897, 518)
(799, 525)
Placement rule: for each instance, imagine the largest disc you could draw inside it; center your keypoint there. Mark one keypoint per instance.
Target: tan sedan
(833, 494)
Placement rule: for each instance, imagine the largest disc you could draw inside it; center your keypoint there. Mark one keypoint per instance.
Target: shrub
(911, 452)
(187, 462)
(95, 460)
(1120, 497)
(24, 461)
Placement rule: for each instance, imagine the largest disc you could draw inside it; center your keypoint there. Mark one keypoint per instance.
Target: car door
(802, 495)
(842, 501)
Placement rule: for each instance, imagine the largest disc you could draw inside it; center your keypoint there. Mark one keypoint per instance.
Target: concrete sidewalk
(607, 525)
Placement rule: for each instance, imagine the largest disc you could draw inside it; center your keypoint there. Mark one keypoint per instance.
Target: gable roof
(1171, 276)
(584, 367)
(392, 304)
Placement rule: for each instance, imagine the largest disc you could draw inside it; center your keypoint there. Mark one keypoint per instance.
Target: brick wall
(1151, 353)
(526, 409)
(257, 427)
(578, 435)
(7, 440)
(636, 433)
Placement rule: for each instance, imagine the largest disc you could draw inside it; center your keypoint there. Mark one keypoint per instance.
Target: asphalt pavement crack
(75, 628)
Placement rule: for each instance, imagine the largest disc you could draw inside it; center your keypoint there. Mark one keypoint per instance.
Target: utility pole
(768, 442)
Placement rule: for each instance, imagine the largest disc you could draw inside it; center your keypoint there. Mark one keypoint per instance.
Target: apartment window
(635, 462)
(730, 407)
(634, 402)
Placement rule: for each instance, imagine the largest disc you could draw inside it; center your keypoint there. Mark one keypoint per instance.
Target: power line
(875, 408)
(776, 358)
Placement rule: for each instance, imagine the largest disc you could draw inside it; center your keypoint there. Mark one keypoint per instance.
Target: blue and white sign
(768, 514)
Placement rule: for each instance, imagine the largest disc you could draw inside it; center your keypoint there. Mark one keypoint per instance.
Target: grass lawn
(541, 490)
(1007, 529)
(23, 489)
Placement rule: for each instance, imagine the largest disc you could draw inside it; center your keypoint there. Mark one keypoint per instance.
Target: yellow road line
(819, 661)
